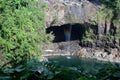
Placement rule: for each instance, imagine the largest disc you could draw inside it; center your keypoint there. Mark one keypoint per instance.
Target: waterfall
(72, 10)
(67, 32)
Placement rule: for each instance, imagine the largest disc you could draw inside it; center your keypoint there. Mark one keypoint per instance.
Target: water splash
(78, 13)
(67, 31)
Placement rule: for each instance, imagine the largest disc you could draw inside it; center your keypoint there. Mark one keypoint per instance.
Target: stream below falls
(86, 65)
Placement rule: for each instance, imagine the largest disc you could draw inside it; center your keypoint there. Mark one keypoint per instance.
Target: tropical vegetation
(22, 35)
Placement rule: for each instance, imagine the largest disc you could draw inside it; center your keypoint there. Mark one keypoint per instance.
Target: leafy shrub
(22, 29)
(36, 70)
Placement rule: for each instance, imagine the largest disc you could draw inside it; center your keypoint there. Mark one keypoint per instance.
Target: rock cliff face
(100, 36)
(61, 12)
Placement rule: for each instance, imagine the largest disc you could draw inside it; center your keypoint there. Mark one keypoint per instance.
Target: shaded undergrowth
(36, 70)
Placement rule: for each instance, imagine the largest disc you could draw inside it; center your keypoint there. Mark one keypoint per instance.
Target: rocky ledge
(73, 48)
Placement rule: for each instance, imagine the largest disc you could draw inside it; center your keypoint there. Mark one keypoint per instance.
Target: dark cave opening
(77, 32)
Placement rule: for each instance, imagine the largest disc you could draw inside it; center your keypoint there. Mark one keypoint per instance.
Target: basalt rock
(100, 36)
(61, 12)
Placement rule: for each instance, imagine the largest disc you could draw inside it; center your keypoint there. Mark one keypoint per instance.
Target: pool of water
(85, 64)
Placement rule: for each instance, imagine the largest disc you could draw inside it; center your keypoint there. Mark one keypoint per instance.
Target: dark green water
(85, 64)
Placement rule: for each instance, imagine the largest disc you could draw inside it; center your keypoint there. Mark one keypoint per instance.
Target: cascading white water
(72, 10)
(67, 32)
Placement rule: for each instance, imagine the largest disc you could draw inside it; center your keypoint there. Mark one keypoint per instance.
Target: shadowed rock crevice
(77, 32)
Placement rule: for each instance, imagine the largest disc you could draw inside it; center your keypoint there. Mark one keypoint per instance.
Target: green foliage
(22, 29)
(117, 5)
(109, 72)
(36, 70)
(89, 34)
(104, 14)
(85, 78)
(87, 39)
(44, 5)
(109, 14)
(111, 9)
(22, 71)
(116, 21)
(117, 36)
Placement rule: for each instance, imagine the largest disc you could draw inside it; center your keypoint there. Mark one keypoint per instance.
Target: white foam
(49, 50)
(68, 57)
